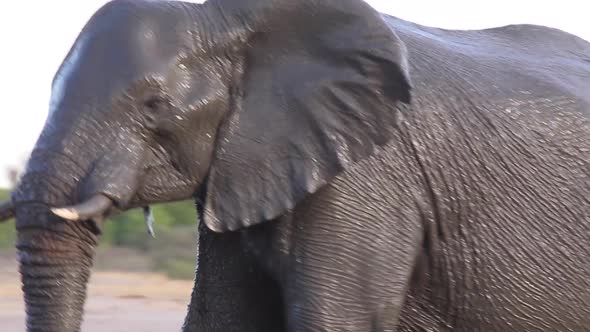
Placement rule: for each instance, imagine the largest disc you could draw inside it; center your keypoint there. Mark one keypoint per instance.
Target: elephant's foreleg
(339, 293)
(231, 293)
(351, 263)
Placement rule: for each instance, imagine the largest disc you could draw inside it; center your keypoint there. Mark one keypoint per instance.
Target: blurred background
(132, 269)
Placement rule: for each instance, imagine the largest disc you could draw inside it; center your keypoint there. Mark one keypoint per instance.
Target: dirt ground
(117, 301)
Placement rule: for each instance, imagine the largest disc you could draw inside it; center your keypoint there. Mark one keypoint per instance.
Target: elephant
(352, 171)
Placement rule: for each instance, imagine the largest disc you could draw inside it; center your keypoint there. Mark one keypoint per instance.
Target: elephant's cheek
(55, 268)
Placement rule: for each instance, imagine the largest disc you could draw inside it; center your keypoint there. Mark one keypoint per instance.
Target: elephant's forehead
(111, 54)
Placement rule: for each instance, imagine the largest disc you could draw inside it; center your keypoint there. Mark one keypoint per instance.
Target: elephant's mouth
(96, 209)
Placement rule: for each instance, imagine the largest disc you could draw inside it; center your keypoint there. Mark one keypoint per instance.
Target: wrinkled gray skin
(361, 174)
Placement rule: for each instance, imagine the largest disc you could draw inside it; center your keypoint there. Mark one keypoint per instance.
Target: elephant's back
(510, 40)
(498, 60)
(503, 137)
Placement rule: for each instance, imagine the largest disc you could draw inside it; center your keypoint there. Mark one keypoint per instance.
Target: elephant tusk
(6, 210)
(149, 220)
(94, 207)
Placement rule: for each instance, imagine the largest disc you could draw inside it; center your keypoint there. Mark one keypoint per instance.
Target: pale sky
(36, 35)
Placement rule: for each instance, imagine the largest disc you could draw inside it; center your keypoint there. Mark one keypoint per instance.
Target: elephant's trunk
(55, 255)
(55, 270)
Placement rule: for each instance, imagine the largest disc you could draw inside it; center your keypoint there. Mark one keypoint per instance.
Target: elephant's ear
(318, 93)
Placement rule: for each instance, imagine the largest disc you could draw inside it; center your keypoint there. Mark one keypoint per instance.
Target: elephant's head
(248, 106)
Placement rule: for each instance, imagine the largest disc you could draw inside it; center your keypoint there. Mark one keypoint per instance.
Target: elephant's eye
(154, 103)
(153, 108)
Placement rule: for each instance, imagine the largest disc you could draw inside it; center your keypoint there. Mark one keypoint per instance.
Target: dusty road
(118, 302)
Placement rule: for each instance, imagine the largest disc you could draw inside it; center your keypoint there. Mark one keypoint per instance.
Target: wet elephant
(352, 171)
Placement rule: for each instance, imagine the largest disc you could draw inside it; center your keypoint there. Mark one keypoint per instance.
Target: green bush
(129, 229)
(173, 251)
(177, 268)
(7, 228)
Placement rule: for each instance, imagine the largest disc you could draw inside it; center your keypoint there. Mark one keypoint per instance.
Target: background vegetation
(126, 245)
